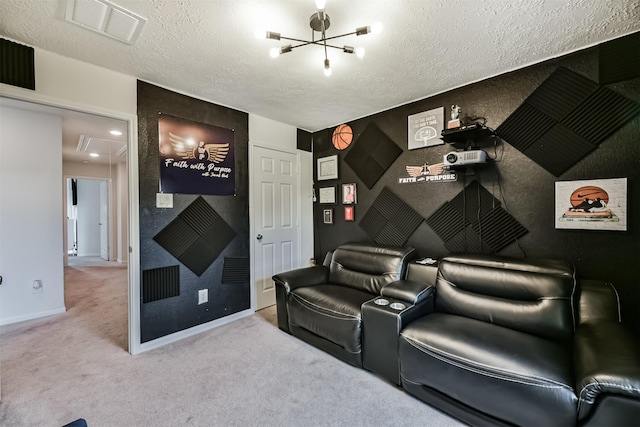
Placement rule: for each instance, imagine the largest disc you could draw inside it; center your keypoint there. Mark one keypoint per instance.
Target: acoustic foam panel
(619, 59)
(390, 221)
(17, 67)
(304, 140)
(160, 283)
(196, 237)
(235, 271)
(371, 155)
(565, 119)
(474, 221)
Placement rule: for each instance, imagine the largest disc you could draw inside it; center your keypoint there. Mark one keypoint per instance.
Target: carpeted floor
(246, 373)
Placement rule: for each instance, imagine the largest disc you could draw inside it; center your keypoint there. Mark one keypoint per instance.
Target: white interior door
(104, 220)
(276, 219)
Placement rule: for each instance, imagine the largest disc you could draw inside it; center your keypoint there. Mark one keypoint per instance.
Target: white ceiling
(208, 49)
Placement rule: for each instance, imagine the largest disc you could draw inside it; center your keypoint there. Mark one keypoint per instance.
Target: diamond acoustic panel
(197, 236)
(389, 220)
(475, 222)
(371, 155)
(565, 119)
(619, 59)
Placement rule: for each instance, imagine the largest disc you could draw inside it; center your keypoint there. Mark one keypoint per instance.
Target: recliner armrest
(307, 276)
(411, 291)
(607, 362)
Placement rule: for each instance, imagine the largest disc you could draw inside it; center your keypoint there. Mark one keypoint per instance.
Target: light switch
(164, 200)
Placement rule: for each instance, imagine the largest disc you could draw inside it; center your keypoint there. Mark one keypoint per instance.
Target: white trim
(33, 316)
(185, 333)
(132, 166)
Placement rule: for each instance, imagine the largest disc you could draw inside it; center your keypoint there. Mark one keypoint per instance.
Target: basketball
(590, 192)
(342, 137)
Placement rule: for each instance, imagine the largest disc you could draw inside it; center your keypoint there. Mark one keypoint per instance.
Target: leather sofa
(521, 342)
(322, 304)
(489, 340)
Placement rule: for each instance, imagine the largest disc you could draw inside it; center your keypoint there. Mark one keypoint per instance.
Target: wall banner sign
(195, 158)
(428, 173)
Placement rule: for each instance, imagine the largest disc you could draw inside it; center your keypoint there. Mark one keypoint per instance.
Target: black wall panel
(525, 190)
(165, 316)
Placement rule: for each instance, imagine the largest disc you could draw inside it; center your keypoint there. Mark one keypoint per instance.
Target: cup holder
(398, 306)
(381, 301)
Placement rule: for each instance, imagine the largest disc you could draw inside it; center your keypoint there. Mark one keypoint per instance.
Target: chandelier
(319, 22)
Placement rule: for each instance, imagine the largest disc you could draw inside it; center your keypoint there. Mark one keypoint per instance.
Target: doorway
(88, 221)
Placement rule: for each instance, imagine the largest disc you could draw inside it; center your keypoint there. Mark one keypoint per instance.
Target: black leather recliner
(322, 305)
(521, 342)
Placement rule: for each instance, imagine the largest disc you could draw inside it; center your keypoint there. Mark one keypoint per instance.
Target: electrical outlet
(203, 296)
(37, 287)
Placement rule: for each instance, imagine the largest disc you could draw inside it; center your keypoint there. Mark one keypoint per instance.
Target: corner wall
(516, 181)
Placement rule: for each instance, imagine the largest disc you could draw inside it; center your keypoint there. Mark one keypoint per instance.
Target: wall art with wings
(195, 158)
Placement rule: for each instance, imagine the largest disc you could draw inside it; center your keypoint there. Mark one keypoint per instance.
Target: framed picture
(349, 194)
(349, 213)
(596, 204)
(425, 128)
(328, 167)
(327, 195)
(327, 216)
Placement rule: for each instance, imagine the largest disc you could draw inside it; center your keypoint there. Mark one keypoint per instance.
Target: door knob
(259, 237)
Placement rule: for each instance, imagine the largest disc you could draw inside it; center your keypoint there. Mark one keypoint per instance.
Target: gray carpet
(246, 373)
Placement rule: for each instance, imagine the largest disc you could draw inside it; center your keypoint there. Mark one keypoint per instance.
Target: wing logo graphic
(188, 149)
(416, 171)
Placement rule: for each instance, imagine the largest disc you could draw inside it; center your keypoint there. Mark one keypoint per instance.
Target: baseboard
(33, 316)
(177, 336)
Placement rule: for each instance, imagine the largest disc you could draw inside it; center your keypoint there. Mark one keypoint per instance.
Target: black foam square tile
(390, 236)
(466, 241)
(601, 115)
(235, 271)
(559, 149)
(372, 154)
(447, 221)
(497, 229)
(474, 201)
(619, 59)
(199, 215)
(176, 237)
(199, 256)
(373, 222)
(524, 126)
(561, 93)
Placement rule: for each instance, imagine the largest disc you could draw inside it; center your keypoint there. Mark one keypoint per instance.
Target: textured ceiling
(208, 49)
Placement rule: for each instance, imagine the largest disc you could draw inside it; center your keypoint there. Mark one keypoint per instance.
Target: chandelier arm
(336, 37)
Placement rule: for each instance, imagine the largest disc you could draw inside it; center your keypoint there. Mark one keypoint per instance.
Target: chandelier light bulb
(274, 52)
(260, 33)
(376, 28)
(327, 68)
(320, 4)
(360, 52)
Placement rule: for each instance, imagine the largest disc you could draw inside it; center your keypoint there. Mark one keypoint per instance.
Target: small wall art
(425, 129)
(327, 195)
(349, 194)
(349, 213)
(328, 167)
(327, 216)
(597, 204)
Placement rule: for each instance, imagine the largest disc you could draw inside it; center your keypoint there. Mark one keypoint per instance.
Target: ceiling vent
(105, 18)
(92, 144)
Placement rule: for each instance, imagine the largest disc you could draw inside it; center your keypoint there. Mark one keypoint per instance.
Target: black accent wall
(523, 188)
(180, 310)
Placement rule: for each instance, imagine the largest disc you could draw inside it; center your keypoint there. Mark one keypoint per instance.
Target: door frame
(133, 264)
(253, 209)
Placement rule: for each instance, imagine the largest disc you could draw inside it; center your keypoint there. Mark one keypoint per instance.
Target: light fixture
(115, 132)
(319, 22)
(94, 155)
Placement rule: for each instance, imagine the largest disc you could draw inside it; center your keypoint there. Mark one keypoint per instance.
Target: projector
(461, 158)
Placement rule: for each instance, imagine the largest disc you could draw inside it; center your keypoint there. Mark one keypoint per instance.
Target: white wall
(269, 133)
(31, 205)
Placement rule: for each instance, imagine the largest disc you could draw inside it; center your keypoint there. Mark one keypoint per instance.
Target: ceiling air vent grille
(105, 18)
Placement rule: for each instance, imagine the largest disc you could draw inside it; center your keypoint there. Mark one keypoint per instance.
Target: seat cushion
(332, 312)
(513, 376)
